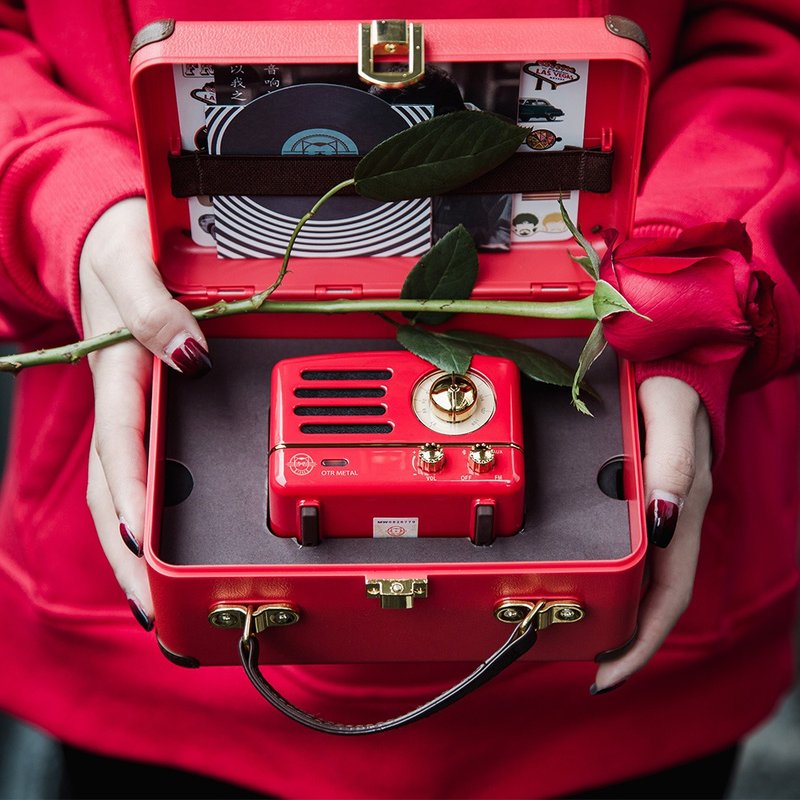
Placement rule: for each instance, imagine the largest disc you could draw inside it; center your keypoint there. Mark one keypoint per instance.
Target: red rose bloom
(668, 280)
(706, 307)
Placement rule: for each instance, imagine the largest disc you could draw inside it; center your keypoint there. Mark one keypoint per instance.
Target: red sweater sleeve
(723, 142)
(62, 164)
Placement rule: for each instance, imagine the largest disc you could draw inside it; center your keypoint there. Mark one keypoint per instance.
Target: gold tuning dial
(481, 458)
(454, 398)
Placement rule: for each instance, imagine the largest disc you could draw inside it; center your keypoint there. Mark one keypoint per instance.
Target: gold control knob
(453, 398)
(481, 458)
(431, 457)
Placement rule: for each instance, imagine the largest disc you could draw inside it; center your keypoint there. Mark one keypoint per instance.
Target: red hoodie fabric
(722, 143)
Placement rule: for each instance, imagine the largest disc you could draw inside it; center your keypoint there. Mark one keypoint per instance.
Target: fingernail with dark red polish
(662, 517)
(189, 356)
(140, 615)
(594, 690)
(131, 542)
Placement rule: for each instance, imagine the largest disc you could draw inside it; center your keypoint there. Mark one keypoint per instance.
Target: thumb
(669, 407)
(117, 250)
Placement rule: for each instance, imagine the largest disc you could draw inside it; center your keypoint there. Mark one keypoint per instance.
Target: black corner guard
(521, 640)
(627, 29)
(152, 32)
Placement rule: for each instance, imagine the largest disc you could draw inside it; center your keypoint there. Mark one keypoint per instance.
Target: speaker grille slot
(344, 428)
(340, 411)
(351, 392)
(346, 375)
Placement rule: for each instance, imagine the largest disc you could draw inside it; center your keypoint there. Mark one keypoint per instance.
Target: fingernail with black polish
(140, 615)
(593, 690)
(189, 356)
(662, 517)
(131, 542)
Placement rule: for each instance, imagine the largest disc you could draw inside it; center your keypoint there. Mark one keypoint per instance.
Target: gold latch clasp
(397, 592)
(391, 37)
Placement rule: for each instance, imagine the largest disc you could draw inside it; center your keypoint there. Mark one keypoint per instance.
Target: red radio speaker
(382, 444)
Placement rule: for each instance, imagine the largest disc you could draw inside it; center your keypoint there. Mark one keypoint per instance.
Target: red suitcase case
(215, 568)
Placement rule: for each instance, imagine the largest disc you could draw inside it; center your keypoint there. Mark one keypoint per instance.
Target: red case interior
(614, 118)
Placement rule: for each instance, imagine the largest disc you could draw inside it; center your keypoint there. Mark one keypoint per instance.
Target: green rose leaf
(532, 362)
(591, 261)
(448, 355)
(448, 271)
(585, 262)
(594, 346)
(606, 301)
(436, 156)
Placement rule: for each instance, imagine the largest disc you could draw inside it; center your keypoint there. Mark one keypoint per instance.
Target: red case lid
(615, 111)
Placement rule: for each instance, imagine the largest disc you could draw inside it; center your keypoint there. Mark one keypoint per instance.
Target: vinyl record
(308, 119)
(266, 124)
(315, 120)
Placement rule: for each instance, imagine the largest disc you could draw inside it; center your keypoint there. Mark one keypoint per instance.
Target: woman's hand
(677, 480)
(120, 285)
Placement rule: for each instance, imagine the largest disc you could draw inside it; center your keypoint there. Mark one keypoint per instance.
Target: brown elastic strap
(557, 171)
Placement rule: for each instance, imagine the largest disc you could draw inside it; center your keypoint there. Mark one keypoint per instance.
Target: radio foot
(309, 526)
(483, 532)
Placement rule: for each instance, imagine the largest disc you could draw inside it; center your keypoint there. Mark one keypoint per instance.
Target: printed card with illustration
(198, 87)
(194, 92)
(552, 105)
(550, 100)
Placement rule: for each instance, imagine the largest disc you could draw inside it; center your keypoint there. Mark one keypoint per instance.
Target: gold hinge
(545, 612)
(397, 592)
(262, 617)
(391, 37)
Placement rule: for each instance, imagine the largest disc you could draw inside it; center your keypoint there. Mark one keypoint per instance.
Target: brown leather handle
(522, 638)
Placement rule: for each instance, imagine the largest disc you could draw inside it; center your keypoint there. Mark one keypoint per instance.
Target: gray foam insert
(217, 427)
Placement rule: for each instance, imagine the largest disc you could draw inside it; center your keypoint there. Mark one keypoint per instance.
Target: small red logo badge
(301, 463)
